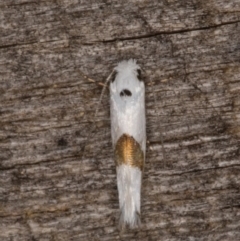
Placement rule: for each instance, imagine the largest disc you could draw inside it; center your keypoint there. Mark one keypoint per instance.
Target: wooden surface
(190, 51)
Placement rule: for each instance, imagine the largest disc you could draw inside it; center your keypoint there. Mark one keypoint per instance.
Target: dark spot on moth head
(139, 75)
(113, 76)
(125, 92)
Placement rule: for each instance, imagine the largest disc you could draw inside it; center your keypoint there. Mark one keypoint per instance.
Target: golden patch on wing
(128, 151)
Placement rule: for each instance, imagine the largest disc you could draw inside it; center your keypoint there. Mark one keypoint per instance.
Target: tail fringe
(130, 198)
(134, 223)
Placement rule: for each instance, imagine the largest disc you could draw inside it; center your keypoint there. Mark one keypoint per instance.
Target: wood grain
(57, 174)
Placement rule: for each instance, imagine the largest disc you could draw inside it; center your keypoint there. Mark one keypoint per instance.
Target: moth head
(127, 79)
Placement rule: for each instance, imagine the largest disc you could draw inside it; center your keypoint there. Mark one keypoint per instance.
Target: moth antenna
(104, 85)
(90, 80)
(102, 92)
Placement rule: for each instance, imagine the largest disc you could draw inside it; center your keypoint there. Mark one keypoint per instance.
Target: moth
(128, 131)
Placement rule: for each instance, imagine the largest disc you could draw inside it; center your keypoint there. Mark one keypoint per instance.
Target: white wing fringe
(129, 188)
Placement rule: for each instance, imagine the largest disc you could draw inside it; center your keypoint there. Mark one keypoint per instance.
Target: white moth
(128, 129)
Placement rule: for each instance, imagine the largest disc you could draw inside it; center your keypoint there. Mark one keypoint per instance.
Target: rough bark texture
(190, 51)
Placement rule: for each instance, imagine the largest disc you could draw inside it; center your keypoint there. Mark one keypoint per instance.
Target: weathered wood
(190, 51)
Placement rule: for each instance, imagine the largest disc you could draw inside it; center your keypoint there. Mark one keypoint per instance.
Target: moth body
(128, 130)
